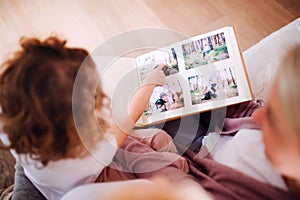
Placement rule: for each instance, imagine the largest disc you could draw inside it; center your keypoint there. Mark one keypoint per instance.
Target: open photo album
(204, 72)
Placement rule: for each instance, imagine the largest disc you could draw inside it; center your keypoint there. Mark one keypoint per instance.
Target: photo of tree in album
(150, 61)
(220, 84)
(205, 50)
(166, 98)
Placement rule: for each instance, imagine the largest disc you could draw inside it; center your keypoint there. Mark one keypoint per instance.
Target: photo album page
(204, 72)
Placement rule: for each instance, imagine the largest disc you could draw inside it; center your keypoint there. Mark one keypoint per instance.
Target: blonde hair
(289, 86)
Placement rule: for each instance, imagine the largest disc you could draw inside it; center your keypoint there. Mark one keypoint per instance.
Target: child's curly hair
(36, 104)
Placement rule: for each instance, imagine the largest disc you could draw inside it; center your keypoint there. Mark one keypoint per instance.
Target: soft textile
(7, 163)
(221, 181)
(136, 160)
(245, 153)
(58, 177)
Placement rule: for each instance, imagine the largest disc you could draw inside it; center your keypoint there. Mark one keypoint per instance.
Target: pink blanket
(139, 160)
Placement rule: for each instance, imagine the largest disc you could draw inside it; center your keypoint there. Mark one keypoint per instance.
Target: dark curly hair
(36, 88)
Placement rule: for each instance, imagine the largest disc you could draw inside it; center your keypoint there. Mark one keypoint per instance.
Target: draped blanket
(139, 159)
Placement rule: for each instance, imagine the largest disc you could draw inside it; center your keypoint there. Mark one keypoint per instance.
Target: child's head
(36, 88)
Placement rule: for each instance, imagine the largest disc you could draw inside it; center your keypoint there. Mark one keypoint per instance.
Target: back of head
(159, 102)
(36, 88)
(289, 86)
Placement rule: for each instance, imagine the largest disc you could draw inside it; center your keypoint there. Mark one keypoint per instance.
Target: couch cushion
(7, 170)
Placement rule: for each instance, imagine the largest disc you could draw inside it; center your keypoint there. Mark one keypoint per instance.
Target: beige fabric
(7, 193)
(7, 170)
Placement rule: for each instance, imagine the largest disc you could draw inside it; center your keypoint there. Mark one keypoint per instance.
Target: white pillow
(263, 59)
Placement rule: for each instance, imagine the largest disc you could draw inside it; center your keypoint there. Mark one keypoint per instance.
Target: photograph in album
(220, 84)
(166, 98)
(205, 50)
(150, 61)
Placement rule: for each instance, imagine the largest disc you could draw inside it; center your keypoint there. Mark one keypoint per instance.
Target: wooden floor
(88, 23)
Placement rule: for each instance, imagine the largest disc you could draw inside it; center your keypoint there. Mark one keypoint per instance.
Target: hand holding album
(156, 77)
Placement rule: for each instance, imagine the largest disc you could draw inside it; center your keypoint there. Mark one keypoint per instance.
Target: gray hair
(289, 86)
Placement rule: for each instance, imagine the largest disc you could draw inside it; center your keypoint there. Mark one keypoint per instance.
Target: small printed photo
(204, 51)
(146, 63)
(221, 84)
(168, 97)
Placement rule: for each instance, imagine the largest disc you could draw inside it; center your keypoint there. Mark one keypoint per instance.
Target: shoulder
(244, 144)
(246, 153)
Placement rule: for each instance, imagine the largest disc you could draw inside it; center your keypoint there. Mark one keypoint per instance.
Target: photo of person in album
(219, 84)
(166, 98)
